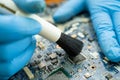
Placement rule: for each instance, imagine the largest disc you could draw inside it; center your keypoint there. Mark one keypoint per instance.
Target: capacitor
(81, 35)
(53, 56)
(87, 75)
(42, 65)
(74, 36)
(54, 62)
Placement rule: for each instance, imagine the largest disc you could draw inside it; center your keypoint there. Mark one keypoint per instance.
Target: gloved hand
(105, 16)
(16, 42)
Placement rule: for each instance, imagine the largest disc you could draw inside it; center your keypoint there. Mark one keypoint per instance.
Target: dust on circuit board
(50, 62)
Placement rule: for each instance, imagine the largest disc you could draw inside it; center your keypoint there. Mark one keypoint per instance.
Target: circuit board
(50, 62)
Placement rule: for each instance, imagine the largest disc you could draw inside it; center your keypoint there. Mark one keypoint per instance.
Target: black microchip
(50, 67)
(39, 56)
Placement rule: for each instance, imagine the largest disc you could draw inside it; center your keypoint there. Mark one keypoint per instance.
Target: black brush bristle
(72, 46)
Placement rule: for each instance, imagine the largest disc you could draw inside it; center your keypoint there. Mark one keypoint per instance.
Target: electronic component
(108, 76)
(106, 59)
(58, 47)
(75, 25)
(28, 73)
(39, 56)
(55, 61)
(50, 67)
(42, 65)
(87, 75)
(74, 36)
(117, 67)
(79, 70)
(47, 58)
(53, 56)
(40, 45)
(58, 76)
(78, 59)
(95, 54)
(81, 35)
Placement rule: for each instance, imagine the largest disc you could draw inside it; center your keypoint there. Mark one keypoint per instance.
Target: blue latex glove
(16, 42)
(105, 16)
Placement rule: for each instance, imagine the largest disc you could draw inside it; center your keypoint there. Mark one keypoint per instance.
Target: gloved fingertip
(31, 6)
(33, 28)
(109, 46)
(25, 27)
(9, 50)
(114, 54)
(59, 18)
(68, 10)
(7, 69)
